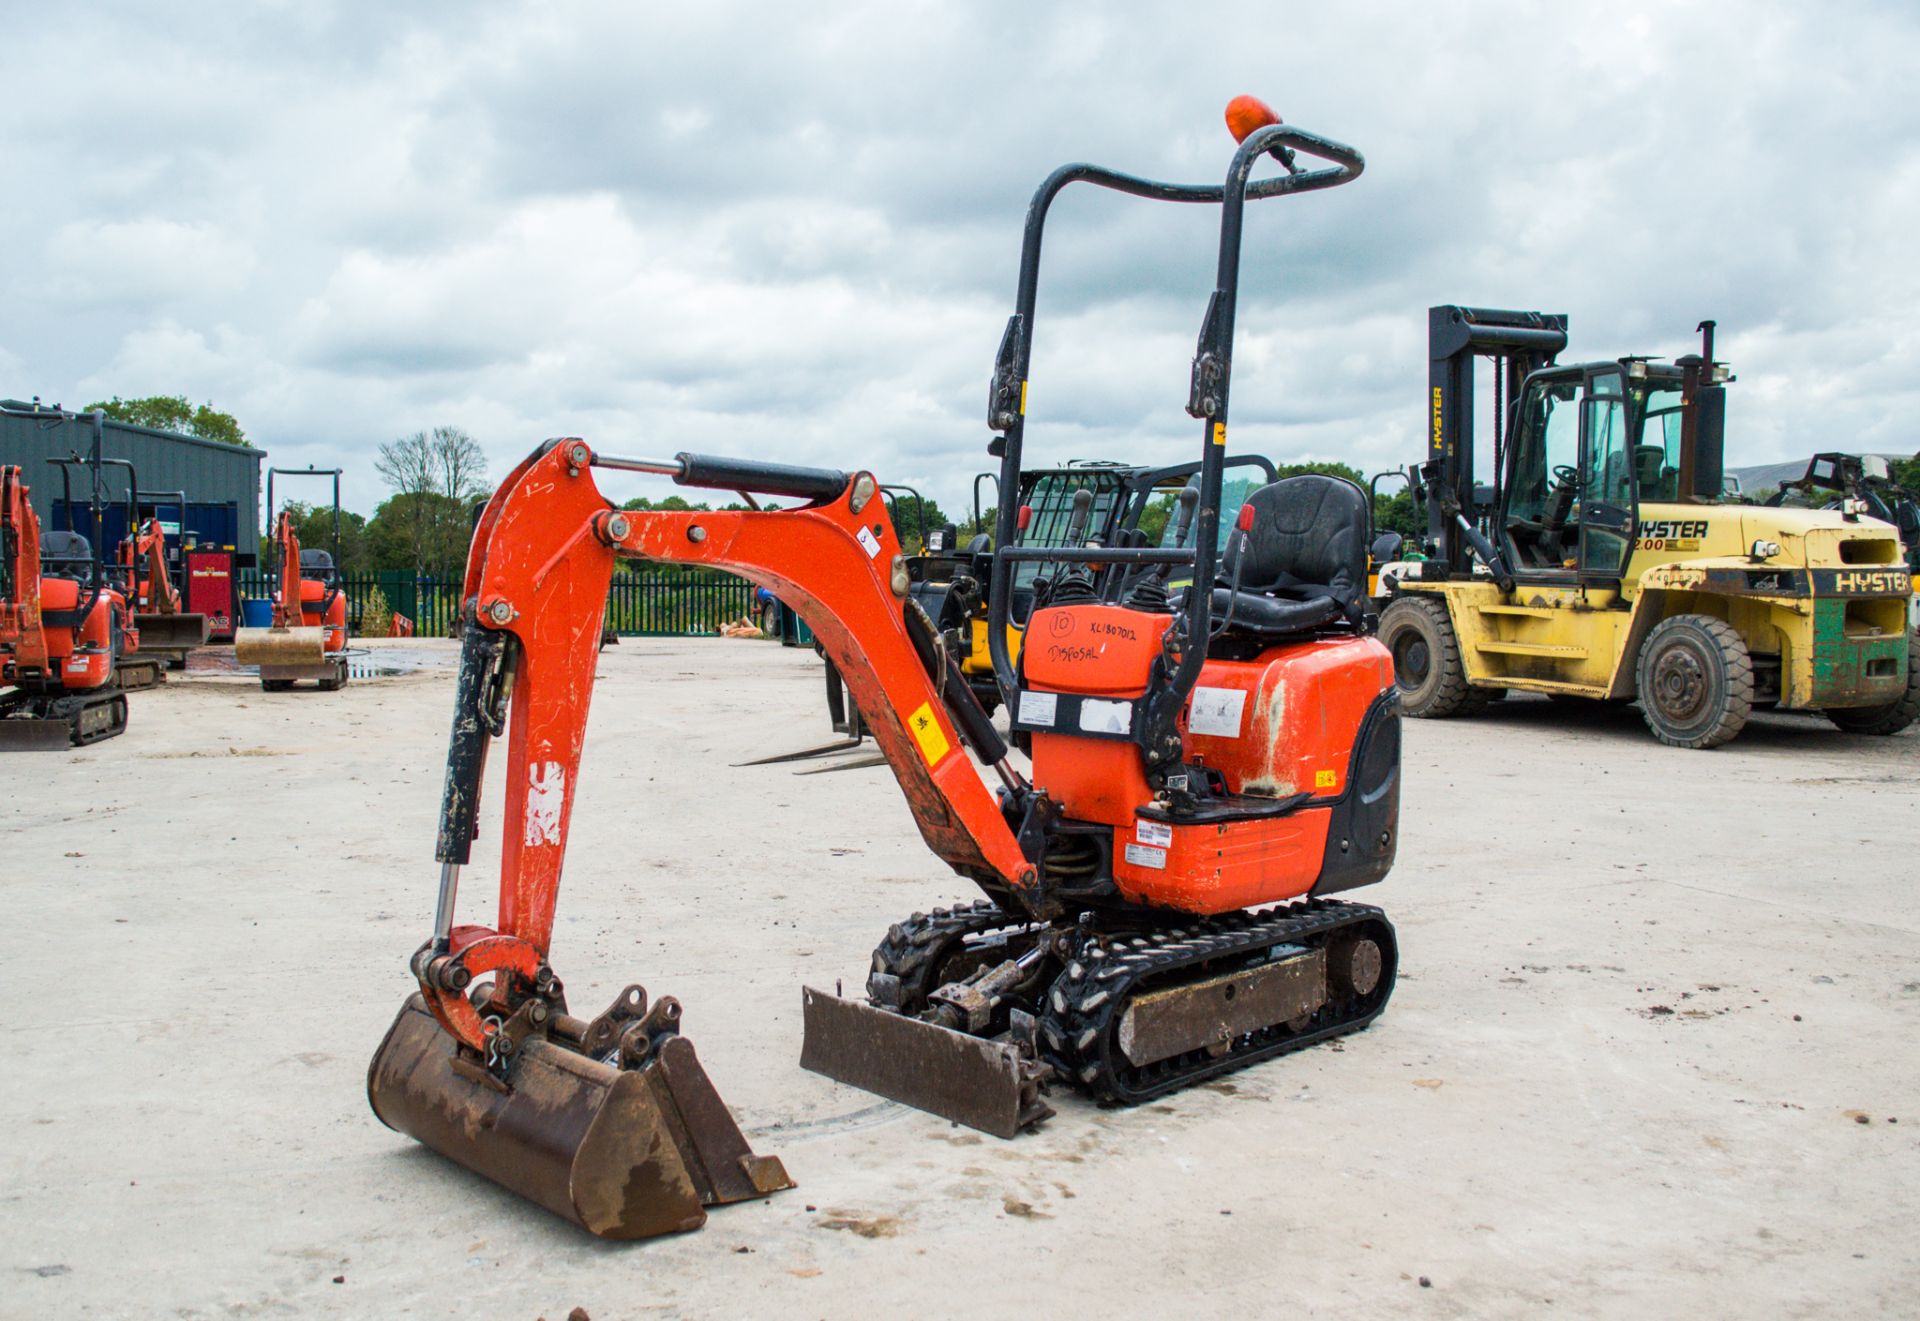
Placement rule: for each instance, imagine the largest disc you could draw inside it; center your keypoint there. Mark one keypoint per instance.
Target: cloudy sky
(791, 231)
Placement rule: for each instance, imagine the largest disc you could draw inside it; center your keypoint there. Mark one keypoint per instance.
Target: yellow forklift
(1605, 562)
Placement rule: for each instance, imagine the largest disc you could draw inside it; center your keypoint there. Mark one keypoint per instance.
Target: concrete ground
(1652, 1054)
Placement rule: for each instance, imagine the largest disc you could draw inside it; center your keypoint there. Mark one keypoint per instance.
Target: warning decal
(928, 734)
(546, 795)
(1325, 779)
(1216, 711)
(1157, 833)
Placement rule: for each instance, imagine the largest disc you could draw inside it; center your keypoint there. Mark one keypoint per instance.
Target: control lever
(1076, 585)
(1082, 515)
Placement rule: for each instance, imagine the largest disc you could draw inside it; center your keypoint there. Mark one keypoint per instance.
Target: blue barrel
(256, 614)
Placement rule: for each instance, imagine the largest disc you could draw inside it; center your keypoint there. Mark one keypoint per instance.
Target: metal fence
(661, 603)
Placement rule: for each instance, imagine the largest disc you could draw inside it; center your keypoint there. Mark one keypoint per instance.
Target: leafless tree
(440, 472)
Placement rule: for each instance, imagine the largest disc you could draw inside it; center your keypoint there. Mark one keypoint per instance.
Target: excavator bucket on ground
(625, 1153)
(172, 636)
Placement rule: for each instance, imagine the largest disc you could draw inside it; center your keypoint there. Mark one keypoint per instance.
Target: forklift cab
(1572, 482)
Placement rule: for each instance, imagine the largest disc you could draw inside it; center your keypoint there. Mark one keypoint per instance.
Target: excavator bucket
(175, 634)
(280, 646)
(623, 1153)
(989, 1084)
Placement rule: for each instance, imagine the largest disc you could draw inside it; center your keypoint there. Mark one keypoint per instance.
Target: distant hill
(1768, 476)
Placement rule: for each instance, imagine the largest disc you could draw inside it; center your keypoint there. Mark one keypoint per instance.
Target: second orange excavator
(308, 636)
(1211, 763)
(167, 629)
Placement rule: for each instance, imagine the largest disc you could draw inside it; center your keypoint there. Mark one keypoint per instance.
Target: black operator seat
(318, 565)
(1305, 565)
(65, 555)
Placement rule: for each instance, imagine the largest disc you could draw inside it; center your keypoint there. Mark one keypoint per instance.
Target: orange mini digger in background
(1215, 751)
(167, 629)
(59, 628)
(308, 636)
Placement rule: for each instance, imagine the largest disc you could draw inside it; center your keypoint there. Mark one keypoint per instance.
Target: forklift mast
(1518, 343)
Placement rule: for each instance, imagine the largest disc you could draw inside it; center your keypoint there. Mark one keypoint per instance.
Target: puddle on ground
(362, 662)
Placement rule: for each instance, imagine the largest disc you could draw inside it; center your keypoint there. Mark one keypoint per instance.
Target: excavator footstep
(623, 1153)
(990, 1085)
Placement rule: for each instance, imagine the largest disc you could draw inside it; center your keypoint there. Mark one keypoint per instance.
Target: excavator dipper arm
(537, 582)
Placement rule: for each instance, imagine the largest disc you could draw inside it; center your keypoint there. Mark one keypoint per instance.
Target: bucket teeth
(623, 1153)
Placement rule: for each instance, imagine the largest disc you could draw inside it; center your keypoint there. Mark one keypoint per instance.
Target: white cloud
(760, 229)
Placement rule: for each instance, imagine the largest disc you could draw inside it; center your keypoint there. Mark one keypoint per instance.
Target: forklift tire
(1889, 717)
(1426, 660)
(1694, 680)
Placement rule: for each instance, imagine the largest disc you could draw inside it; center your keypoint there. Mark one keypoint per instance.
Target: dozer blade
(624, 1154)
(280, 646)
(35, 734)
(172, 633)
(993, 1086)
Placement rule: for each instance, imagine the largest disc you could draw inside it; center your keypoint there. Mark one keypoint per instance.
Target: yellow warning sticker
(1325, 779)
(1219, 433)
(928, 734)
(1023, 399)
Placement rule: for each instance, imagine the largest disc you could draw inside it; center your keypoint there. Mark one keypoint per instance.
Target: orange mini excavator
(57, 685)
(1215, 750)
(167, 630)
(308, 636)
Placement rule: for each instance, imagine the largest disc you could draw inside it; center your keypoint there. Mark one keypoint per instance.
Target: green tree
(435, 477)
(313, 524)
(172, 412)
(422, 533)
(679, 504)
(914, 518)
(1906, 473)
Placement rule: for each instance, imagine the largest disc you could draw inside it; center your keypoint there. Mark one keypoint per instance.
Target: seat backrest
(1308, 539)
(62, 553)
(316, 564)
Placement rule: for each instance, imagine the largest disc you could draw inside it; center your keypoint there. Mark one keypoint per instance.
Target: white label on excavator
(1216, 711)
(546, 795)
(1158, 833)
(868, 542)
(1141, 856)
(1098, 717)
(1038, 708)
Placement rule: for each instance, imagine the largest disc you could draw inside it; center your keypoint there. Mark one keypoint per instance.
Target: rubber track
(1079, 1026)
(913, 950)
